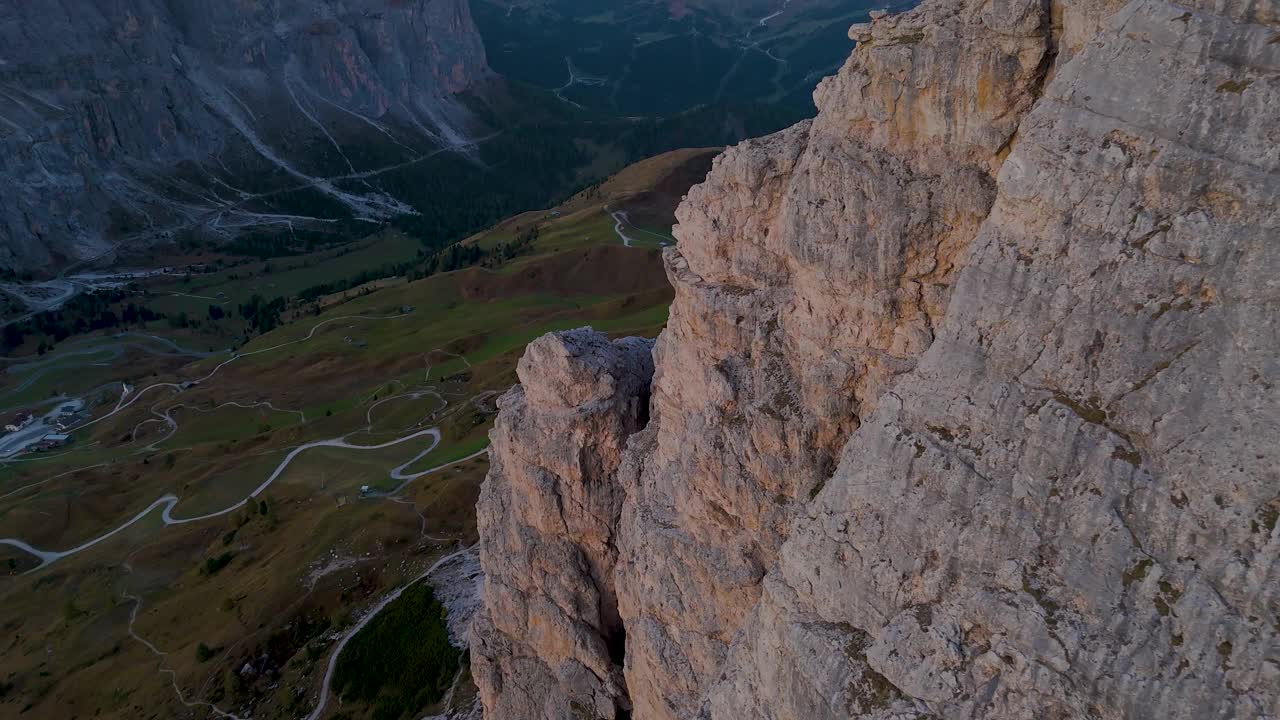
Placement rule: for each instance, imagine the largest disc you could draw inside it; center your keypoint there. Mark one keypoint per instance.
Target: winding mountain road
(620, 221)
(168, 502)
(109, 352)
(576, 79)
(121, 405)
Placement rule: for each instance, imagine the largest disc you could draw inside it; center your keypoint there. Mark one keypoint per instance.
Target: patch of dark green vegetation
(817, 488)
(71, 612)
(82, 314)
(942, 433)
(447, 259)
(1128, 455)
(581, 712)
(924, 616)
(870, 690)
(1164, 307)
(1234, 86)
(1033, 587)
(1137, 573)
(265, 246)
(1168, 597)
(261, 314)
(914, 38)
(204, 653)
(402, 661)
(784, 404)
(720, 51)
(542, 151)
(1266, 517)
(1141, 242)
(1091, 410)
(215, 564)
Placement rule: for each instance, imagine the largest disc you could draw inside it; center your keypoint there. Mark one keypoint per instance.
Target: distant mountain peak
(127, 123)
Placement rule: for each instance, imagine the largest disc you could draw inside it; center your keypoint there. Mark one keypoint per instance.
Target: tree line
(84, 313)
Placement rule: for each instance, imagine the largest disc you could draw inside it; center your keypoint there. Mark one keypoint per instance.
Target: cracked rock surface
(968, 401)
(1067, 509)
(548, 641)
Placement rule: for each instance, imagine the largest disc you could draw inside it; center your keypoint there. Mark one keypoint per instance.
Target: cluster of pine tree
(81, 314)
(261, 314)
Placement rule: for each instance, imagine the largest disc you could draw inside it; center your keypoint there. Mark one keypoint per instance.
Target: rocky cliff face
(130, 121)
(966, 402)
(549, 642)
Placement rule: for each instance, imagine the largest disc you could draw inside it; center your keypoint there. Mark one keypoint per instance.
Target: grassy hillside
(245, 608)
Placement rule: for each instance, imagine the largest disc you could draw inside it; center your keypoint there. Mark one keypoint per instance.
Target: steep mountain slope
(622, 55)
(134, 120)
(965, 402)
(385, 362)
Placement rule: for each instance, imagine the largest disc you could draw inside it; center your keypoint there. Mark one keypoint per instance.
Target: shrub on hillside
(401, 662)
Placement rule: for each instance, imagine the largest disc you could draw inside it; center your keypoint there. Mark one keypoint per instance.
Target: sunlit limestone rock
(967, 403)
(548, 642)
(813, 267)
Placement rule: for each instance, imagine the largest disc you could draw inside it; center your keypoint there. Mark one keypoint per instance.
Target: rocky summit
(966, 408)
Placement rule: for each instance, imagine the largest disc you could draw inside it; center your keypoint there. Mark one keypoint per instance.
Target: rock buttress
(548, 642)
(812, 268)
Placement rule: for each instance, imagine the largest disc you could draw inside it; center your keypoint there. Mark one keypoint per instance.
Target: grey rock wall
(126, 122)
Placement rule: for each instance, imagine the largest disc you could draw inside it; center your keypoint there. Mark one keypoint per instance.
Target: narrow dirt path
(164, 669)
(121, 405)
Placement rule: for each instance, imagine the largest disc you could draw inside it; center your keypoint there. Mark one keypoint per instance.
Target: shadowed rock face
(966, 403)
(134, 119)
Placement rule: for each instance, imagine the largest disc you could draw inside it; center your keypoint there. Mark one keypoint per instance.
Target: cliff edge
(967, 402)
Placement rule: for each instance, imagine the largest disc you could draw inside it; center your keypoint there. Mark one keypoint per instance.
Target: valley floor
(220, 524)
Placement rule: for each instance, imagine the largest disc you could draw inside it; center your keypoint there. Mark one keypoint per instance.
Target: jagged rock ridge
(966, 402)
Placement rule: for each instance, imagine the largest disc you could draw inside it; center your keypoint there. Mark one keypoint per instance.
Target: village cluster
(59, 422)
